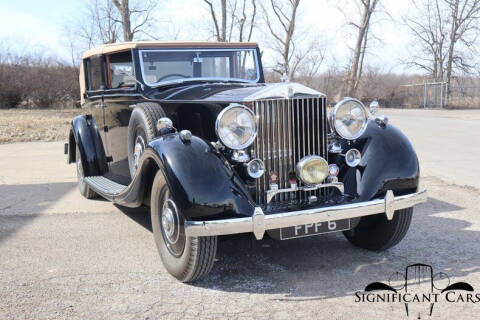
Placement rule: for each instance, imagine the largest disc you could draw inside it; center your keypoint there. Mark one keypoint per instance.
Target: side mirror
(122, 70)
(373, 107)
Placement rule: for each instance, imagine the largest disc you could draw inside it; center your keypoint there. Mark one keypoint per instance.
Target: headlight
(349, 118)
(236, 126)
(312, 170)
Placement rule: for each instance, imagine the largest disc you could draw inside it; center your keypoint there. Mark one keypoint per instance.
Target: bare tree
(309, 68)
(447, 32)
(282, 28)
(429, 29)
(243, 21)
(220, 30)
(99, 25)
(464, 17)
(367, 8)
(134, 18)
(233, 20)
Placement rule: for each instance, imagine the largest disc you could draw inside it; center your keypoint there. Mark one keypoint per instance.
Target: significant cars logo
(418, 289)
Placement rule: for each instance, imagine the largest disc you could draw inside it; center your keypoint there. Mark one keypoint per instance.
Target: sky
(40, 26)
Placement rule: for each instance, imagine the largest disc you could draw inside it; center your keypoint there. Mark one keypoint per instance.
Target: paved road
(64, 257)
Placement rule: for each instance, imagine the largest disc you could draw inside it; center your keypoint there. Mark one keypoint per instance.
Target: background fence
(427, 95)
(463, 94)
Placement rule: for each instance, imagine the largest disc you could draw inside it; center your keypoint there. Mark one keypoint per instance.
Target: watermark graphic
(418, 289)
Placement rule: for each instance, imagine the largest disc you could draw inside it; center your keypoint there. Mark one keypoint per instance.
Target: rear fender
(85, 135)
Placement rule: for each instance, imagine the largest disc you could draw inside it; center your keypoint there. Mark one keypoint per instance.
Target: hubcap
(168, 223)
(172, 227)
(79, 169)
(138, 150)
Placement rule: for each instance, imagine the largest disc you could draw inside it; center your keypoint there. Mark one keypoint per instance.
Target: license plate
(311, 229)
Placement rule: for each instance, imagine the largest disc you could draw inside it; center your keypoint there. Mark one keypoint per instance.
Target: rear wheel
(82, 185)
(186, 258)
(378, 233)
(141, 130)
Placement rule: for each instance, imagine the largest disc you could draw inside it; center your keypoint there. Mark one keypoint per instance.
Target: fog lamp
(312, 170)
(255, 168)
(353, 157)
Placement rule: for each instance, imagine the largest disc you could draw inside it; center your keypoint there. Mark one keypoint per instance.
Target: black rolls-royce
(191, 130)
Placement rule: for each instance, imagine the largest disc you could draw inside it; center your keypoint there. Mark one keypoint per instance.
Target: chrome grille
(288, 130)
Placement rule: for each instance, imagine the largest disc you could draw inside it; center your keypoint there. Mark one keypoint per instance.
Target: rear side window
(120, 70)
(93, 66)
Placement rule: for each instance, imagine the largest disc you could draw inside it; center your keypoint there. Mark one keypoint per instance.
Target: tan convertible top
(122, 46)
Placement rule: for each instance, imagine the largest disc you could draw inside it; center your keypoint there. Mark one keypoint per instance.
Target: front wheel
(378, 233)
(186, 258)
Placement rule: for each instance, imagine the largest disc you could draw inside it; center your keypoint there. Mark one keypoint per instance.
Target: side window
(94, 73)
(119, 67)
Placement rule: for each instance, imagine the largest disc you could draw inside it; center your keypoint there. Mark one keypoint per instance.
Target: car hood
(232, 92)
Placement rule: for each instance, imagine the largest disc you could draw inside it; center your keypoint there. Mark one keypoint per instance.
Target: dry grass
(22, 125)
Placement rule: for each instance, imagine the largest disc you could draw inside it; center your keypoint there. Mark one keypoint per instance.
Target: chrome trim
(185, 135)
(335, 147)
(240, 156)
(334, 112)
(288, 130)
(381, 120)
(260, 222)
(282, 90)
(373, 107)
(255, 131)
(163, 123)
(294, 188)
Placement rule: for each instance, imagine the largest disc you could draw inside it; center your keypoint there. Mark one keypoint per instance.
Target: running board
(104, 186)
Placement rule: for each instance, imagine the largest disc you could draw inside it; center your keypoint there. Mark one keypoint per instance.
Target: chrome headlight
(236, 126)
(349, 118)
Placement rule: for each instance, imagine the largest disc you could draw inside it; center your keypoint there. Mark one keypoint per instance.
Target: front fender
(389, 162)
(201, 181)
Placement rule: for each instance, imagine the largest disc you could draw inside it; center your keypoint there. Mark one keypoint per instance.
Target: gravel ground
(65, 257)
(21, 125)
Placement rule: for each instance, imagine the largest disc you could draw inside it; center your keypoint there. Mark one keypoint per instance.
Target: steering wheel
(173, 75)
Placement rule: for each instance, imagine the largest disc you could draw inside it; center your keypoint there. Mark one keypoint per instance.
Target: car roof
(124, 46)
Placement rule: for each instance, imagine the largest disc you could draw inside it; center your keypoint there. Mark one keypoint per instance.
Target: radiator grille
(288, 130)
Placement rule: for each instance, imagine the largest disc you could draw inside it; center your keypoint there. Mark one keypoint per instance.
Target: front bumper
(259, 222)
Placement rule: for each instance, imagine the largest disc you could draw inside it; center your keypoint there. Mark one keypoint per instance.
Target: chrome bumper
(260, 222)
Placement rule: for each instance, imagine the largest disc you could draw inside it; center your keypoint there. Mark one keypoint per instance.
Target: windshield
(159, 66)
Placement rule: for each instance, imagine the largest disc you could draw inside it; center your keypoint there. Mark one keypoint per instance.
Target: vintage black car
(191, 130)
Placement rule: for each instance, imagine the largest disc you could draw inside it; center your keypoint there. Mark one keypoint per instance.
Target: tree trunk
(451, 48)
(354, 75)
(124, 10)
(223, 36)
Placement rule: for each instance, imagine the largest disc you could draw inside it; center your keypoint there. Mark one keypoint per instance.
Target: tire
(141, 130)
(188, 258)
(377, 233)
(82, 185)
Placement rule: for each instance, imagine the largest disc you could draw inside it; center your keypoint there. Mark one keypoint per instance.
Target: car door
(120, 95)
(94, 84)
